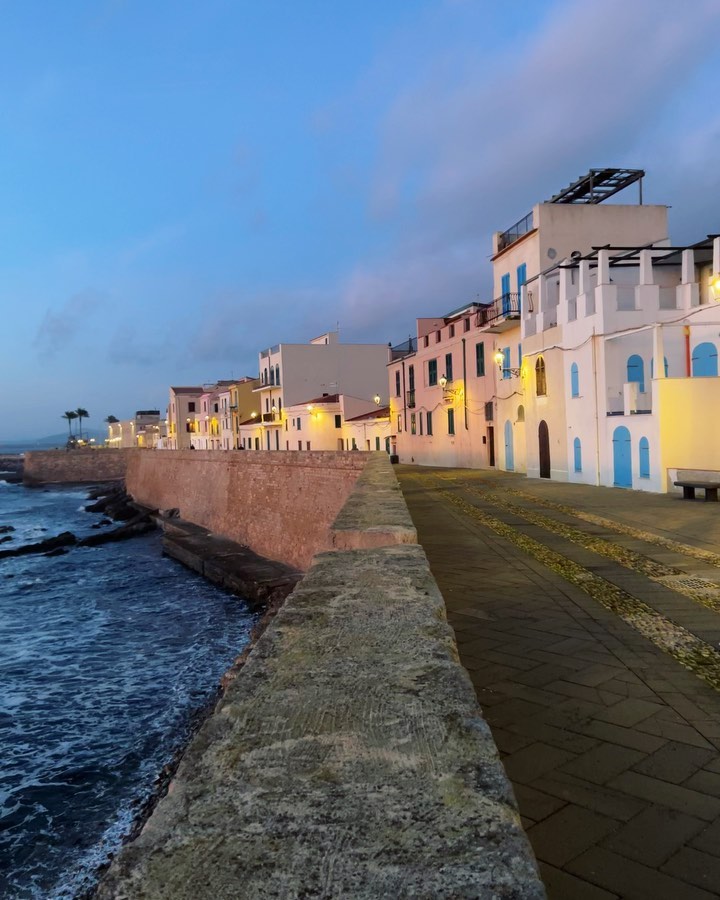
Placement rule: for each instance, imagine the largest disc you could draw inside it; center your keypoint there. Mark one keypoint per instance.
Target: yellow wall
(689, 424)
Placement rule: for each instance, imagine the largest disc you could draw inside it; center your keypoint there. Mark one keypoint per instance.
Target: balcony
(500, 315)
(515, 232)
(410, 399)
(402, 350)
(272, 418)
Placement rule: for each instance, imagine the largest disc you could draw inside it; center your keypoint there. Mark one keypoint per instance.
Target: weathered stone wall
(75, 466)
(349, 757)
(280, 504)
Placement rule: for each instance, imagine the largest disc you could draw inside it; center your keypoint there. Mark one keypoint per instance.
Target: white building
(293, 375)
(621, 347)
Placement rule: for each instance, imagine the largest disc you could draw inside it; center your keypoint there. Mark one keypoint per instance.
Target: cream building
(146, 431)
(294, 375)
(183, 417)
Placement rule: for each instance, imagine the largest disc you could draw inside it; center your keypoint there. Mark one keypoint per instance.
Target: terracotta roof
(187, 390)
(256, 421)
(382, 413)
(326, 398)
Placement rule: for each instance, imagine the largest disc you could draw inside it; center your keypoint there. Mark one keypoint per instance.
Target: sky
(185, 184)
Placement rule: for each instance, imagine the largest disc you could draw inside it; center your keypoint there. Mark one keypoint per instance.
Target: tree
(111, 420)
(81, 414)
(69, 415)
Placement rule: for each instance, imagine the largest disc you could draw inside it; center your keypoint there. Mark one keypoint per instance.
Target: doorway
(509, 454)
(622, 458)
(544, 449)
(491, 445)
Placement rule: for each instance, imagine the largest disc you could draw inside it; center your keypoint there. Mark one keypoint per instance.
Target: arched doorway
(622, 458)
(544, 449)
(509, 454)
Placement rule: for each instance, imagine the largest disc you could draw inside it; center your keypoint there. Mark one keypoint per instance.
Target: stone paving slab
(611, 744)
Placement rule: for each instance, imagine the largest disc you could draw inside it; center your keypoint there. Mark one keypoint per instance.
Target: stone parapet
(349, 759)
(75, 466)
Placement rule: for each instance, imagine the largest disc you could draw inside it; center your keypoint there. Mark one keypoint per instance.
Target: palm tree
(69, 415)
(81, 414)
(111, 420)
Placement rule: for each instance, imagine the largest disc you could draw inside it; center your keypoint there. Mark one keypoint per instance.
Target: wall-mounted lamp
(443, 381)
(499, 358)
(715, 286)
(376, 399)
(274, 409)
(253, 415)
(310, 409)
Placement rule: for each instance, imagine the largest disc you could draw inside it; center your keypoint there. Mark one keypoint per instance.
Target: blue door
(622, 458)
(509, 453)
(505, 290)
(705, 360)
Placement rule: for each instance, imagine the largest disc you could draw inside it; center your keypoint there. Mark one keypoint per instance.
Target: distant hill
(48, 442)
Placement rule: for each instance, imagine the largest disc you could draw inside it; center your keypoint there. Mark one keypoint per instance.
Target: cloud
(61, 328)
(129, 346)
(463, 154)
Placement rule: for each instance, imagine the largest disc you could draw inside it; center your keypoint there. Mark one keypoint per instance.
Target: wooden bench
(710, 488)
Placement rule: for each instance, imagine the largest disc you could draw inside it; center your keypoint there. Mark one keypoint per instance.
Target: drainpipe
(404, 398)
(597, 410)
(688, 358)
(465, 409)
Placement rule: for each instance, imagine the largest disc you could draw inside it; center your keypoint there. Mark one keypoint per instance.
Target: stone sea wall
(280, 504)
(75, 466)
(348, 758)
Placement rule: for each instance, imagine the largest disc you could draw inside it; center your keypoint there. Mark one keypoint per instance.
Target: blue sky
(187, 183)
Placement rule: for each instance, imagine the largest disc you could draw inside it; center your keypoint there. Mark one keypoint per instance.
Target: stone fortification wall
(280, 504)
(349, 757)
(75, 466)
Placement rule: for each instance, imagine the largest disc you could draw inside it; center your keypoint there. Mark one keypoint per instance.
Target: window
(540, 380)
(479, 359)
(577, 453)
(338, 421)
(636, 371)
(432, 372)
(426, 340)
(505, 293)
(521, 413)
(413, 424)
(299, 425)
(506, 362)
(399, 424)
(272, 375)
(644, 457)
(466, 324)
(191, 407)
(420, 422)
(521, 280)
(307, 445)
(519, 356)
(448, 366)
(411, 378)
(704, 360)
(574, 380)
(429, 423)
(451, 331)
(438, 336)
(277, 374)
(397, 383)
(451, 421)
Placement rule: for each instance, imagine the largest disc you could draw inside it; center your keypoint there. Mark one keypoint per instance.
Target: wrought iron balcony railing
(505, 307)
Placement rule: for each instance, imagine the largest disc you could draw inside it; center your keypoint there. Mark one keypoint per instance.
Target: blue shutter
(705, 360)
(519, 356)
(644, 457)
(506, 362)
(577, 452)
(574, 380)
(505, 291)
(636, 371)
(521, 280)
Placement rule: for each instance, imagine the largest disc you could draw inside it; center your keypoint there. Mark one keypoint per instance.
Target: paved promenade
(589, 621)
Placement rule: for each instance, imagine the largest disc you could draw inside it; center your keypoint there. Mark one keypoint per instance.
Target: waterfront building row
(596, 362)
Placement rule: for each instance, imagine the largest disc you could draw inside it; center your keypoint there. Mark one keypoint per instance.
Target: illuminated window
(540, 380)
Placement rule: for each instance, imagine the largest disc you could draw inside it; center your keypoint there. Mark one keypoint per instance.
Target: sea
(108, 656)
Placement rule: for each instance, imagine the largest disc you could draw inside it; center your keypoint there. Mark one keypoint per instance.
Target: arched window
(636, 371)
(644, 457)
(521, 413)
(574, 380)
(705, 360)
(277, 374)
(540, 380)
(652, 367)
(272, 375)
(577, 453)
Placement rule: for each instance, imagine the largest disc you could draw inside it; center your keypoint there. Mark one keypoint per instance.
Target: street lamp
(376, 399)
(715, 286)
(443, 382)
(505, 371)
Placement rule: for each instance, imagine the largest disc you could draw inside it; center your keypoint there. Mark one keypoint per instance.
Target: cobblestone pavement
(589, 622)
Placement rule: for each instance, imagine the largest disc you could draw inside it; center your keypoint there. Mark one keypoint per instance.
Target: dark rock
(5, 539)
(64, 539)
(172, 513)
(130, 530)
(6, 529)
(58, 551)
